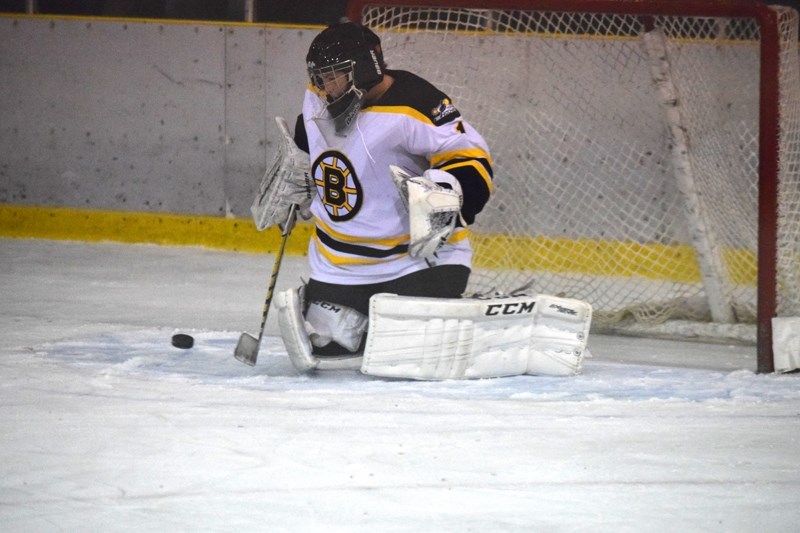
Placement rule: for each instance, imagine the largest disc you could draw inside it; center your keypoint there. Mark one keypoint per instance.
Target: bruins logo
(337, 185)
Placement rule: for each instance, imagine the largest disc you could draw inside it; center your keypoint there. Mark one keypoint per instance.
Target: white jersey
(362, 226)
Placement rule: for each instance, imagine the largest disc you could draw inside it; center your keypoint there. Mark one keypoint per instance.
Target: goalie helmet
(344, 62)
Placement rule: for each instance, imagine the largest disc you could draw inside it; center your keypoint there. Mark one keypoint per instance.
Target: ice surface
(107, 427)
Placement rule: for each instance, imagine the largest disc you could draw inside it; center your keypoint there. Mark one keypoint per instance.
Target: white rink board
(143, 116)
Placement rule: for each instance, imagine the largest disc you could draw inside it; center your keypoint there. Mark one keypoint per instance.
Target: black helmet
(344, 62)
(343, 44)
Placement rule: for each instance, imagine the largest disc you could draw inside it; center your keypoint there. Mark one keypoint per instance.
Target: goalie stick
(248, 345)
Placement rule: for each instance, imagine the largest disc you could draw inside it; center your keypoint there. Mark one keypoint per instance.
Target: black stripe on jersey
(410, 90)
(300, 135)
(475, 191)
(356, 249)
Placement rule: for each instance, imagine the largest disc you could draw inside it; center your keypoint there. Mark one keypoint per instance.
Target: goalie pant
(449, 338)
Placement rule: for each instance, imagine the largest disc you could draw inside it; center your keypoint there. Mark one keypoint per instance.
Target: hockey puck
(181, 340)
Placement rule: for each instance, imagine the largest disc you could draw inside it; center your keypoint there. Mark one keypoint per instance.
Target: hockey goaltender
(392, 175)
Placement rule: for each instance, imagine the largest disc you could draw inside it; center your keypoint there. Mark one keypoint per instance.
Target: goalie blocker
(438, 338)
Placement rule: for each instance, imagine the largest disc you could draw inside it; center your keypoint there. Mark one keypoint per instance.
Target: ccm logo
(327, 305)
(510, 308)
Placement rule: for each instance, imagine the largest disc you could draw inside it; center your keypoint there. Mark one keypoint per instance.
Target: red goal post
(612, 100)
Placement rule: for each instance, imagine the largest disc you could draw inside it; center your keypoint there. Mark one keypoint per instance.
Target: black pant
(441, 281)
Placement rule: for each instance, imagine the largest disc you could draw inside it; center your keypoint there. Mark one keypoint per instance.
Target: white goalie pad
(326, 322)
(293, 333)
(435, 338)
(285, 182)
(432, 209)
(298, 343)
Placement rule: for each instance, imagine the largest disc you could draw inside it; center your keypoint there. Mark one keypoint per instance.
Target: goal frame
(768, 119)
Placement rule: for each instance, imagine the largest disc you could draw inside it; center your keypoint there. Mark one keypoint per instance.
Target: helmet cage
(333, 80)
(344, 99)
(344, 62)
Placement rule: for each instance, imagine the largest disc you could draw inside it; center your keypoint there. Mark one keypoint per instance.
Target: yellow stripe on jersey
(437, 159)
(313, 88)
(459, 234)
(480, 169)
(389, 243)
(467, 153)
(348, 260)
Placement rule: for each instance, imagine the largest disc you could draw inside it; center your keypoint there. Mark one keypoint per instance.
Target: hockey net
(627, 150)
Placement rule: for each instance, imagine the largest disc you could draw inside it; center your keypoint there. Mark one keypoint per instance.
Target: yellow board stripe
(156, 228)
(605, 258)
(675, 263)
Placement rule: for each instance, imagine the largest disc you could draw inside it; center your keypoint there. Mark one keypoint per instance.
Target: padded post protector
(786, 343)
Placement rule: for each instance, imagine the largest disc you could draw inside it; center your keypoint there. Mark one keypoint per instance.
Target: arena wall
(143, 116)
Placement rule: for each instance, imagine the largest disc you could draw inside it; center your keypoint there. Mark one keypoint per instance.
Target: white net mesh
(587, 203)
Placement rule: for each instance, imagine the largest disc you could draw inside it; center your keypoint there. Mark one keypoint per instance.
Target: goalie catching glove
(434, 202)
(285, 182)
